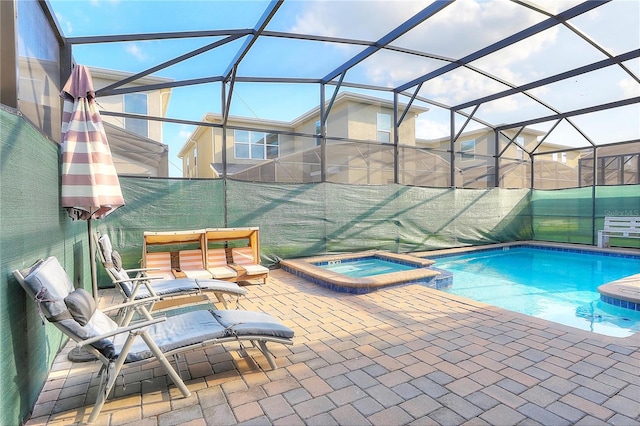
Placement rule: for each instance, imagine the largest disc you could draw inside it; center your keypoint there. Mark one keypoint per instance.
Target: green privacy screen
(305, 220)
(300, 220)
(295, 220)
(576, 215)
(33, 226)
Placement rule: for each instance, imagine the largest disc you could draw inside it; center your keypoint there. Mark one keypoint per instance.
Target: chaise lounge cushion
(247, 323)
(196, 327)
(219, 285)
(176, 332)
(49, 284)
(117, 260)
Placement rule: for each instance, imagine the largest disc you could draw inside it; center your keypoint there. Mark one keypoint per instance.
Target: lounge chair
(217, 265)
(74, 312)
(172, 291)
(192, 264)
(160, 263)
(244, 258)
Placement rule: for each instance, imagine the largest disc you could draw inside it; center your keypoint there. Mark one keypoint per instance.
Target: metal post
(452, 148)
(323, 137)
(396, 138)
(224, 154)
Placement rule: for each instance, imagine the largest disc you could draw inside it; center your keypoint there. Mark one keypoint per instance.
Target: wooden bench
(207, 250)
(623, 227)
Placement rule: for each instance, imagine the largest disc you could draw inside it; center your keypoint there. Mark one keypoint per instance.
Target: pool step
(624, 292)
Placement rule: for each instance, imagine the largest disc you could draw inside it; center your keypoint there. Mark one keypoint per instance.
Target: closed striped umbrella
(90, 185)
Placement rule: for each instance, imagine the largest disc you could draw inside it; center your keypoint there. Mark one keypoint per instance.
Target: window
(564, 157)
(384, 127)
(468, 150)
(256, 145)
(519, 151)
(136, 103)
(319, 133)
(195, 156)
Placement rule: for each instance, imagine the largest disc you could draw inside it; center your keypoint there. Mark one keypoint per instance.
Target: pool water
(555, 285)
(365, 267)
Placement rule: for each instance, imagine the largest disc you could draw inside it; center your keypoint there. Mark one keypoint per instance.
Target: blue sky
(458, 30)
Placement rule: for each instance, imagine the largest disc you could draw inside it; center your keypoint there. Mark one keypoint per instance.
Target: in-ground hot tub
(385, 269)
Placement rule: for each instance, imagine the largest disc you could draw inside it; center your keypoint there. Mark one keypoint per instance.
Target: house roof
(344, 97)
(341, 98)
(137, 149)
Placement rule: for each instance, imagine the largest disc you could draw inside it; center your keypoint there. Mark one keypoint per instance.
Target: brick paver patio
(404, 355)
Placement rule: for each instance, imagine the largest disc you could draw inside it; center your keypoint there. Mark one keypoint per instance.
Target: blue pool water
(555, 285)
(365, 267)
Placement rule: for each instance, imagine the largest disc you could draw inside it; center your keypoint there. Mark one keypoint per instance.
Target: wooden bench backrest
(160, 260)
(216, 257)
(243, 256)
(191, 259)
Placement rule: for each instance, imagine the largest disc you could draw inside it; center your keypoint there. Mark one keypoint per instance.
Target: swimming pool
(556, 285)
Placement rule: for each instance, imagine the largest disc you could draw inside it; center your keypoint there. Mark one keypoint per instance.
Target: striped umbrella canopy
(90, 185)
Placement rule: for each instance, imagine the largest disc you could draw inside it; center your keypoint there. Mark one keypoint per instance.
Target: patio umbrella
(90, 186)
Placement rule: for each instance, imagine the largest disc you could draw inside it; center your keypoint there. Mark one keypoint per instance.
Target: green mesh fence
(299, 220)
(575, 216)
(295, 220)
(617, 201)
(33, 227)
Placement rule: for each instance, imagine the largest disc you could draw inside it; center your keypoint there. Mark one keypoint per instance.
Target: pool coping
(306, 268)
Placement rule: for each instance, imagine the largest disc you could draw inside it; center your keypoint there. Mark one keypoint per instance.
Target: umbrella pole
(92, 260)
(81, 354)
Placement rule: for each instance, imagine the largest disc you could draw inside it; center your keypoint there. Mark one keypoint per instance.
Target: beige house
(136, 145)
(290, 151)
(554, 166)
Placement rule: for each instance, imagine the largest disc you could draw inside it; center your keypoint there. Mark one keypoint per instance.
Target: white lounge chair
(145, 285)
(74, 312)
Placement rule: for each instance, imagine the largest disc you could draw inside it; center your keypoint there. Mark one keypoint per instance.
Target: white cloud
(99, 3)
(454, 32)
(629, 87)
(134, 50)
(428, 129)
(67, 28)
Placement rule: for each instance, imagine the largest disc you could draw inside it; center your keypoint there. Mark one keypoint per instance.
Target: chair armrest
(141, 269)
(119, 331)
(129, 304)
(135, 279)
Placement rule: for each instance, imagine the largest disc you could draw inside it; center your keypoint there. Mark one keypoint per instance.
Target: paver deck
(402, 355)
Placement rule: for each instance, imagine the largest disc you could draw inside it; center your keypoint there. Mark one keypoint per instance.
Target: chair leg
(268, 355)
(165, 363)
(221, 299)
(111, 371)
